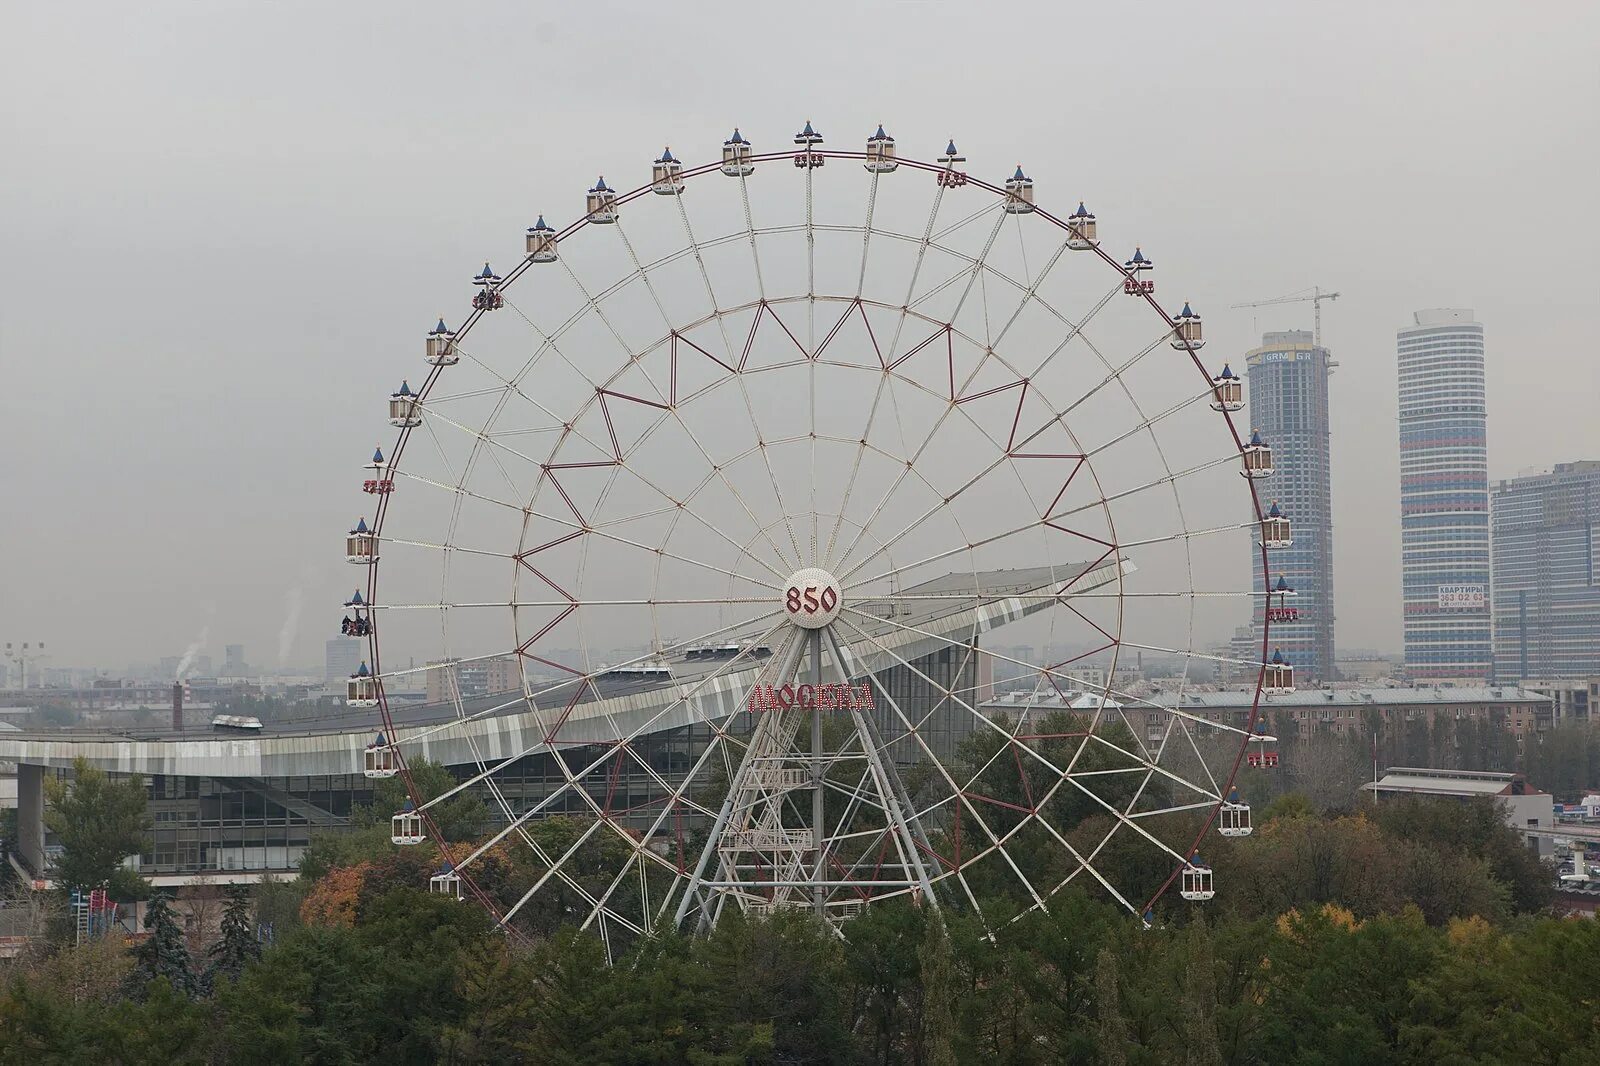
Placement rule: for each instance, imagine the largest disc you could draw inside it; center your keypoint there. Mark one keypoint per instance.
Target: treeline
(1416, 933)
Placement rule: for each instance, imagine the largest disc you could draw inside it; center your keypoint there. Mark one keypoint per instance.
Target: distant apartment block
(1546, 573)
(1444, 498)
(474, 677)
(341, 657)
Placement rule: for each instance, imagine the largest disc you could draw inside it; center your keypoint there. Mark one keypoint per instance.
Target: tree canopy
(100, 821)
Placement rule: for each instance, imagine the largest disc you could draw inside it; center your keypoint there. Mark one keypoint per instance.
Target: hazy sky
(224, 227)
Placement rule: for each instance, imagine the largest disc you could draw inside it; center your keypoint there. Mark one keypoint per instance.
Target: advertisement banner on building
(1462, 597)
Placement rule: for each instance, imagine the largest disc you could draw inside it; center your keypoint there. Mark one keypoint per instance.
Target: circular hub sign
(811, 598)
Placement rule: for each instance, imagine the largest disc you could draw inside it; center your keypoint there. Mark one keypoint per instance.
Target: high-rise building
(1546, 574)
(1444, 497)
(1288, 393)
(341, 658)
(233, 661)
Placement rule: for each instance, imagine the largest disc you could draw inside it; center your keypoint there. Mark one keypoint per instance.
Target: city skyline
(236, 436)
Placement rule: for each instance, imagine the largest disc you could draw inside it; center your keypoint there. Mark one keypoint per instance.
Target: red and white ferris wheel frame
(966, 180)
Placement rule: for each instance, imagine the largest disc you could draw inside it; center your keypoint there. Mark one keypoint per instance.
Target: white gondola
(1277, 679)
(1233, 820)
(442, 345)
(807, 139)
(488, 297)
(951, 156)
(1136, 284)
(446, 882)
(361, 545)
(362, 689)
(1196, 886)
(736, 153)
(379, 760)
(1227, 391)
(1019, 193)
(880, 153)
(406, 826)
(666, 174)
(1281, 611)
(1257, 456)
(1263, 753)
(1188, 335)
(541, 242)
(601, 203)
(1275, 532)
(404, 411)
(1081, 232)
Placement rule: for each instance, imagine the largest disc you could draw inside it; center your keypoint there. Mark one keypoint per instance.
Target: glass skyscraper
(1444, 497)
(1546, 588)
(1288, 394)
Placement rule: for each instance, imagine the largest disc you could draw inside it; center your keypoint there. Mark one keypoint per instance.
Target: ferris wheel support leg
(819, 897)
(694, 892)
(890, 788)
(876, 737)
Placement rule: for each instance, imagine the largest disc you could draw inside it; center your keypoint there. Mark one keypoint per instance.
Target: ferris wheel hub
(812, 598)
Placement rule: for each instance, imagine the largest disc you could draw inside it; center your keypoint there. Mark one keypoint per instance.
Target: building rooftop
(1239, 699)
(1424, 781)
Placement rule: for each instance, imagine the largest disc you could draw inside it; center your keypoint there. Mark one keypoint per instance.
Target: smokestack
(177, 706)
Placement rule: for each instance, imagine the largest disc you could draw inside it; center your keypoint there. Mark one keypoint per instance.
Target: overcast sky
(224, 226)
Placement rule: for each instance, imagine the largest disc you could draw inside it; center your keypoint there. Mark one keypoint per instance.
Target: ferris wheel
(783, 534)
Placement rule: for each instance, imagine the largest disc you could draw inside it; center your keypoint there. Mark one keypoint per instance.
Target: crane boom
(1314, 296)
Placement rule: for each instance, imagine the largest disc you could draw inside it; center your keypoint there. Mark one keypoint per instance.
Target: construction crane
(1313, 294)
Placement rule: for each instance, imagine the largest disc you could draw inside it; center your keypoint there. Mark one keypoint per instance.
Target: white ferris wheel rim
(843, 615)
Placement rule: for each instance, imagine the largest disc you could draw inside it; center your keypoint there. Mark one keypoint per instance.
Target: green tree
(462, 817)
(938, 987)
(1111, 1031)
(237, 947)
(100, 822)
(162, 954)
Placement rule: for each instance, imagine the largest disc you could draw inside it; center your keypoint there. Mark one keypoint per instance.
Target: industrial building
(231, 806)
(1527, 810)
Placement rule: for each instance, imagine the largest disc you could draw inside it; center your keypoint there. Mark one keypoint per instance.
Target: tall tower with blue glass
(1288, 393)
(1546, 587)
(1444, 497)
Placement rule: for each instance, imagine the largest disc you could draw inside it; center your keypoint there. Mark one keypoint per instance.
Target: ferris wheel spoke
(1172, 477)
(671, 409)
(578, 679)
(1067, 773)
(750, 231)
(958, 794)
(916, 270)
(1075, 331)
(1188, 534)
(660, 498)
(1190, 654)
(866, 232)
(575, 779)
(1050, 673)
